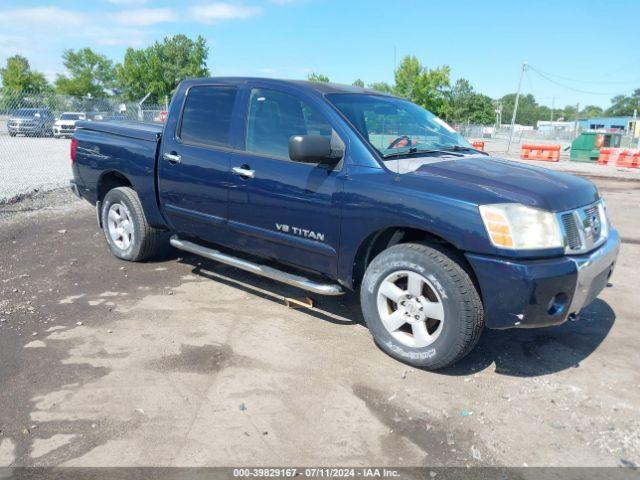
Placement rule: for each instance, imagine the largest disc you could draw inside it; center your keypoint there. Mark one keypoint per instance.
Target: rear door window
(206, 117)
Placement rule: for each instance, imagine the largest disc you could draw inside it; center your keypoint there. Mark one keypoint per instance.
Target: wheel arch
(108, 181)
(387, 237)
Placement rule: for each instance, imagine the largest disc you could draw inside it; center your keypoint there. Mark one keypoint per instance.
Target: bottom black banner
(417, 473)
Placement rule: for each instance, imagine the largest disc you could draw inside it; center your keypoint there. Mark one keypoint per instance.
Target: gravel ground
(184, 362)
(29, 163)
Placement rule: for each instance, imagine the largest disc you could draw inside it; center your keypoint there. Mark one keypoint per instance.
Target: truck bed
(126, 148)
(140, 130)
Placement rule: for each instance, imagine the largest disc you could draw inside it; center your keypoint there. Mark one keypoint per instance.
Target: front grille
(592, 212)
(572, 236)
(584, 228)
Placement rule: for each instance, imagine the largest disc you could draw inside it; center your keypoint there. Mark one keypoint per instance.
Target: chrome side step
(269, 272)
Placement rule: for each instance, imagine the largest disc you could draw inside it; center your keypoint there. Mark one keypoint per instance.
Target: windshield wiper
(462, 148)
(418, 151)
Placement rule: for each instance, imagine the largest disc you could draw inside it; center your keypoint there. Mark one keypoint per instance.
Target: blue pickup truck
(332, 188)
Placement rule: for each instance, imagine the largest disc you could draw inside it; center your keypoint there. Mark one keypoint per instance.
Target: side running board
(269, 272)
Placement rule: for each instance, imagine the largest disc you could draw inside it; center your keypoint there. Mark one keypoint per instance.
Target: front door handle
(172, 158)
(244, 172)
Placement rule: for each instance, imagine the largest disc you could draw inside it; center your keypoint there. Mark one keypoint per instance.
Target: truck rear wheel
(421, 305)
(125, 227)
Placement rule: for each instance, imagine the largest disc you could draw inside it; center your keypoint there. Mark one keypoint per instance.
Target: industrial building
(625, 124)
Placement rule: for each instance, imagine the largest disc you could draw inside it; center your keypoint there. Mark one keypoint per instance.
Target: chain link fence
(496, 139)
(35, 130)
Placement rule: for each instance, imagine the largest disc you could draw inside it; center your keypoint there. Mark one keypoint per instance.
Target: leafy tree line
(460, 103)
(432, 89)
(157, 70)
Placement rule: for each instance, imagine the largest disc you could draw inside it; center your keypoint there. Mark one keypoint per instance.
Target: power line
(549, 79)
(610, 73)
(593, 82)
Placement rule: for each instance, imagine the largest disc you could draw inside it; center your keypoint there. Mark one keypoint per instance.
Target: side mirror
(313, 149)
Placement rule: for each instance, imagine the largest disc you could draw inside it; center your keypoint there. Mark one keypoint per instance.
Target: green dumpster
(586, 147)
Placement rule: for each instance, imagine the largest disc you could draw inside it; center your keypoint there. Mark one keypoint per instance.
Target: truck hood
(481, 180)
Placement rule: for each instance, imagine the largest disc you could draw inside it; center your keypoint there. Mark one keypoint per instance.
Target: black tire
(146, 242)
(454, 289)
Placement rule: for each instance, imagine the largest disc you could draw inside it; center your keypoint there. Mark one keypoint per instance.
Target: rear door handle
(244, 172)
(172, 158)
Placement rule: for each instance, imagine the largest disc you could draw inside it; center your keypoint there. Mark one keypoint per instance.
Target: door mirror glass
(313, 149)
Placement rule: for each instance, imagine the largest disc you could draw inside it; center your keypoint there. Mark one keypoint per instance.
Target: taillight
(74, 146)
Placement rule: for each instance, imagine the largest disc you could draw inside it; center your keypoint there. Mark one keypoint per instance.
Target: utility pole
(553, 104)
(515, 106)
(575, 126)
(635, 127)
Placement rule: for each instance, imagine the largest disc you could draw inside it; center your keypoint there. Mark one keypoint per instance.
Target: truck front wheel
(421, 305)
(125, 227)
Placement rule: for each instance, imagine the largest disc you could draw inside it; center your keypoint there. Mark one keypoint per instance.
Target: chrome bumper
(594, 271)
(63, 131)
(23, 128)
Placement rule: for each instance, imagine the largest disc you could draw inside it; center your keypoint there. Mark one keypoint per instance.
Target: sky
(580, 46)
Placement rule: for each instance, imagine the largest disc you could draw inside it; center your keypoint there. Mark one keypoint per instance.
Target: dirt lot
(185, 362)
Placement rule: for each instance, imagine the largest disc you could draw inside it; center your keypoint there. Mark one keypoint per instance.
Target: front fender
(375, 200)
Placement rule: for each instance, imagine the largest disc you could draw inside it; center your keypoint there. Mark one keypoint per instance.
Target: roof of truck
(320, 87)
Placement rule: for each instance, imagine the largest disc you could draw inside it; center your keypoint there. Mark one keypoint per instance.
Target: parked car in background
(105, 116)
(115, 117)
(161, 117)
(95, 116)
(31, 122)
(66, 124)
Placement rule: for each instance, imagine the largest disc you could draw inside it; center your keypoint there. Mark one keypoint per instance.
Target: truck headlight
(518, 227)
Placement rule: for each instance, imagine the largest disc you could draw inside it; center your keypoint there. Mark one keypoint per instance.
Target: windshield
(25, 113)
(394, 126)
(71, 116)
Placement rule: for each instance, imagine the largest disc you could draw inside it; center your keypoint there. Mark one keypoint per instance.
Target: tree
(382, 87)
(358, 83)
(407, 76)
(468, 106)
(428, 88)
(591, 111)
(318, 77)
(159, 68)
(17, 75)
(529, 112)
(569, 113)
(623, 105)
(89, 74)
